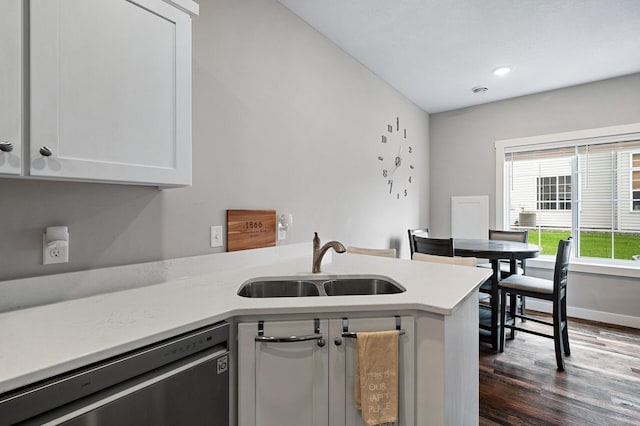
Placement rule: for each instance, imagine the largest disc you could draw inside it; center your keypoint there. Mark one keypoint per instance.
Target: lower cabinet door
(343, 369)
(285, 382)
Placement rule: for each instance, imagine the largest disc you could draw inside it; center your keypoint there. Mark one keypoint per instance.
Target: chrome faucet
(318, 253)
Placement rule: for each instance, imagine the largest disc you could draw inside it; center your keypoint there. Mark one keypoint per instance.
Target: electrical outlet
(217, 240)
(55, 245)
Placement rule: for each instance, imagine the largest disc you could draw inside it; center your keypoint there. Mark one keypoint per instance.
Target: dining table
(495, 251)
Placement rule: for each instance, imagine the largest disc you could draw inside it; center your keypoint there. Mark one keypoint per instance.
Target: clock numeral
(398, 195)
(410, 150)
(385, 173)
(390, 183)
(405, 133)
(389, 128)
(409, 179)
(398, 123)
(411, 167)
(384, 139)
(398, 161)
(380, 158)
(405, 192)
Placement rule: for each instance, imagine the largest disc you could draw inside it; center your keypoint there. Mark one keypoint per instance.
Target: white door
(343, 371)
(10, 87)
(282, 383)
(110, 91)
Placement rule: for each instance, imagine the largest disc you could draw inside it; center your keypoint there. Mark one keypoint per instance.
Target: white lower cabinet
(311, 382)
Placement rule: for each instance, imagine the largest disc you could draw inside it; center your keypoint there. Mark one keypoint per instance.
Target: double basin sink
(312, 286)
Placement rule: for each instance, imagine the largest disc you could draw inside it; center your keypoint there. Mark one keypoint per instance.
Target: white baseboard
(587, 314)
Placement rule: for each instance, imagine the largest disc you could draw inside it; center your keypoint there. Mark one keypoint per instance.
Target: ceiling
(435, 51)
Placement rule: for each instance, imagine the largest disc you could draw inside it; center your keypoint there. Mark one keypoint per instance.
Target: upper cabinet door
(11, 87)
(110, 91)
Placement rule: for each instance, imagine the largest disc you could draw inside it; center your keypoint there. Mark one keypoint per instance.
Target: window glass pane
(608, 190)
(548, 239)
(636, 179)
(595, 244)
(626, 244)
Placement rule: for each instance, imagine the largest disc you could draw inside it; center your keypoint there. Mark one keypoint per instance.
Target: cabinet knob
(338, 341)
(321, 342)
(6, 146)
(46, 151)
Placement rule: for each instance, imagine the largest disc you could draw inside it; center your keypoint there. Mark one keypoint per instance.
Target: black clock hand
(397, 161)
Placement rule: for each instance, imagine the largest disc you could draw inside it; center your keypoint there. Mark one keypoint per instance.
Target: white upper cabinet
(109, 90)
(11, 87)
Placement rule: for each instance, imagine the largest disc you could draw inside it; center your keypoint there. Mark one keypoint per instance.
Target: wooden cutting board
(249, 229)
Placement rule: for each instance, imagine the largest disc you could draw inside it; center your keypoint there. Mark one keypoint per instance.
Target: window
(635, 181)
(553, 193)
(583, 184)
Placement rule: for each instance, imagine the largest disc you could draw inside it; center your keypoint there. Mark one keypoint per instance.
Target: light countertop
(43, 341)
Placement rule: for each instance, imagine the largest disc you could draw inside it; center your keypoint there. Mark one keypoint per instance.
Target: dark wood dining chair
(391, 252)
(505, 267)
(424, 232)
(518, 236)
(435, 246)
(554, 291)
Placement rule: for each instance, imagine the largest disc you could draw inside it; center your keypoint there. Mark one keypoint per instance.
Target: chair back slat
(456, 260)
(517, 236)
(372, 251)
(416, 232)
(435, 246)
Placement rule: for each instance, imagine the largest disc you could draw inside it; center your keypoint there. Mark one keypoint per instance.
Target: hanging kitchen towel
(376, 390)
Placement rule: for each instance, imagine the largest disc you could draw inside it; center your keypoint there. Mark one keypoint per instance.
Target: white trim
(621, 268)
(188, 6)
(587, 314)
(570, 138)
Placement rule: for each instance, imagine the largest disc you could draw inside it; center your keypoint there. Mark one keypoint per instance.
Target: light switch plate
(217, 239)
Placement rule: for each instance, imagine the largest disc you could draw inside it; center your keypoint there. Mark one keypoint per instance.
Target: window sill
(620, 268)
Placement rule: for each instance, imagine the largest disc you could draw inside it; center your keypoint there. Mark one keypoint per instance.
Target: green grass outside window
(592, 244)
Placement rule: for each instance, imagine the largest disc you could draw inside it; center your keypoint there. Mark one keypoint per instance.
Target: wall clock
(396, 160)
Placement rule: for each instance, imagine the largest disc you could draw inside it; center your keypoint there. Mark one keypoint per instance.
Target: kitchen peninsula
(43, 341)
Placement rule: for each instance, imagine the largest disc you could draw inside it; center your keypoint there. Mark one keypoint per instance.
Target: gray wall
(473, 132)
(462, 141)
(282, 119)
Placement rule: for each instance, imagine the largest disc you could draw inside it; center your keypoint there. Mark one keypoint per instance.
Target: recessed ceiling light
(500, 71)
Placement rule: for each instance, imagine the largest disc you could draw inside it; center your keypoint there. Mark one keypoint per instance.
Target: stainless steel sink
(361, 286)
(279, 288)
(339, 286)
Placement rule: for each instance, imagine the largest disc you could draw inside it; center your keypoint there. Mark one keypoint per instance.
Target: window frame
(601, 135)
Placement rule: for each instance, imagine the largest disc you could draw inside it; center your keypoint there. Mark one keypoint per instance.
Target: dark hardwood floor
(600, 384)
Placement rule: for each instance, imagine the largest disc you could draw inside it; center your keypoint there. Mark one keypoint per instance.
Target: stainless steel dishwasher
(179, 381)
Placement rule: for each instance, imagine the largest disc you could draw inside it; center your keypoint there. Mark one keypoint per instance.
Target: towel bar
(289, 339)
(354, 335)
